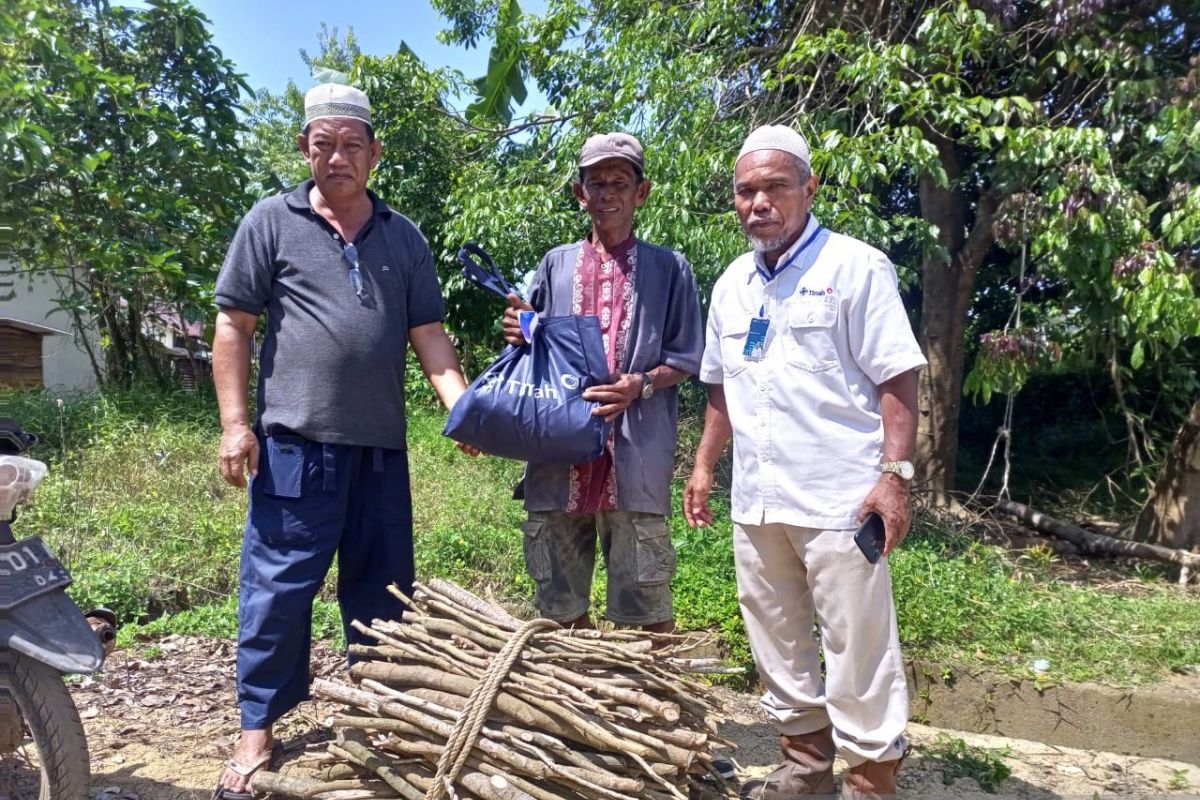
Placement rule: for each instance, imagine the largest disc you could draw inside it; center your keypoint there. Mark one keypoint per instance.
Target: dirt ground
(160, 724)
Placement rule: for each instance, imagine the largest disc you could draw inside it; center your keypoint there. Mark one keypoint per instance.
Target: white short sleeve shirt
(807, 428)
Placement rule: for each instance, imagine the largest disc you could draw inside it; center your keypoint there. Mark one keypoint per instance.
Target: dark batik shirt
(660, 325)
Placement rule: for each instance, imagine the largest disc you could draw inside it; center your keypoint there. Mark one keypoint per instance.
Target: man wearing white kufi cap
(812, 366)
(346, 284)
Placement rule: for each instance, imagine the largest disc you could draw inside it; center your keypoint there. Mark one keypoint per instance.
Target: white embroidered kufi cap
(336, 100)
(776, 137)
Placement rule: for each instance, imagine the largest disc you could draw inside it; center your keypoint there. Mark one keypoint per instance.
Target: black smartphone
(871, 537)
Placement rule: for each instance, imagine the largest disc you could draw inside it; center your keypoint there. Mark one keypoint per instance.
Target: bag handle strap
(481, 270)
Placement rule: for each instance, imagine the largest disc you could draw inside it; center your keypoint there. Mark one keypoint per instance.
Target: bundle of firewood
(463, 700)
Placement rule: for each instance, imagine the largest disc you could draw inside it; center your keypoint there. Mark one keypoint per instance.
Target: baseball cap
(612, 145)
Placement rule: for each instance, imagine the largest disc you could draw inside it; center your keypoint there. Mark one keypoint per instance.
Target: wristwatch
(902, 468)
(647, 386)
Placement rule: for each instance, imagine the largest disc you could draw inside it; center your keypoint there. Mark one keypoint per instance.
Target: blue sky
(264, 37)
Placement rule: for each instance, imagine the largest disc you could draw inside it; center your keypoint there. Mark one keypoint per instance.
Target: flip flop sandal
(245, 771)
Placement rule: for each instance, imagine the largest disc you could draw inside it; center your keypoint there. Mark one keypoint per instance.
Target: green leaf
(504, 82)
(496, 88)
(1138, 356)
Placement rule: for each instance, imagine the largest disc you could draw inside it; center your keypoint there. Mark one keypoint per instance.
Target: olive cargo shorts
(560, 554)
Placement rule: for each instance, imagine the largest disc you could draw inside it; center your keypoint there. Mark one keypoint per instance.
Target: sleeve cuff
(690, 366)
(899, 368)
(224, 301)
(419, 321)
(713, 377)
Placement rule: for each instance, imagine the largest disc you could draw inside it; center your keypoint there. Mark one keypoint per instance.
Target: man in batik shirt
(649, 310)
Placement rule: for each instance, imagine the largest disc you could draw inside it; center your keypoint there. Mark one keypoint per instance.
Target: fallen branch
(1096, 543)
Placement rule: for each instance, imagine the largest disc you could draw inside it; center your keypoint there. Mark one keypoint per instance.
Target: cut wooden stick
(599, 715)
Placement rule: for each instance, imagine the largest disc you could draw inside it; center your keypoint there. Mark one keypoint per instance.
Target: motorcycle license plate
(27, 569)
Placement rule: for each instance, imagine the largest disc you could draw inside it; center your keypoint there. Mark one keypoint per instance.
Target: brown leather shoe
(807, 769)
(871, 780)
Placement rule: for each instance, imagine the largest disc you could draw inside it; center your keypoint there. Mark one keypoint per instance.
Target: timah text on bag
(528, 404)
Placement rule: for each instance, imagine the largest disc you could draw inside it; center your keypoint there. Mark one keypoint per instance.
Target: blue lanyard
(768, 277)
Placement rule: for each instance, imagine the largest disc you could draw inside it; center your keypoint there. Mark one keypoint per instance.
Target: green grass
(961, 601)
(467, 527)
(219, 620)
(133, 504)
(960, 760)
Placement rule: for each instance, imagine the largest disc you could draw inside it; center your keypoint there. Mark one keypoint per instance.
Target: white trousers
(787, 575)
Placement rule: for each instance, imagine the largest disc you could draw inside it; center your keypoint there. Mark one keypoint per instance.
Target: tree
(274, 120)
(427, 152)
(33, 58)
(974, 112)
(936, 125)
(1172, 515)
(130, 179)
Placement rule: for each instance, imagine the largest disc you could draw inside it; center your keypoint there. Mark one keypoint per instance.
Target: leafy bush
(134, 506)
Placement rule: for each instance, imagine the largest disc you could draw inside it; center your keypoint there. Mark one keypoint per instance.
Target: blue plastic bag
(528, 404)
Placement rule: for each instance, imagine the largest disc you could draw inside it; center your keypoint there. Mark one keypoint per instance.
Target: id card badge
(756, 339)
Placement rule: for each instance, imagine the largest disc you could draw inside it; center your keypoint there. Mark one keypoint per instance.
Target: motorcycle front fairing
(51, 629)
(37, 618)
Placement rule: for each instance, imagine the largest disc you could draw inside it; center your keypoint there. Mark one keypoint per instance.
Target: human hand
(238, 452)
(695, 499)
(614, 398)
(892, 501)
(451, 402)
(512, 322)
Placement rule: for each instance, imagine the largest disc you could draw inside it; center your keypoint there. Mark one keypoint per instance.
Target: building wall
(31, 298)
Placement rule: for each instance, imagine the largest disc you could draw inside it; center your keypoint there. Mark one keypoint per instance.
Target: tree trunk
(117, 352)
(73, 284)
(940, 388)
(948, 280)
(1171, 517)
(81, 331)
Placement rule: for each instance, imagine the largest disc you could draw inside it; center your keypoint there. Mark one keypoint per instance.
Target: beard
(770, 244)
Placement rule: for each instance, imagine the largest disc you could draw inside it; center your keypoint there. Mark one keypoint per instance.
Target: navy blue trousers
(308, 501)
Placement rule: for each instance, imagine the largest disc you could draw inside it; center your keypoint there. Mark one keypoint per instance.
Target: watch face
(906, 470)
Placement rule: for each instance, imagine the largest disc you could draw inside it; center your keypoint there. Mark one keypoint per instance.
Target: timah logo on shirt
(804, 291)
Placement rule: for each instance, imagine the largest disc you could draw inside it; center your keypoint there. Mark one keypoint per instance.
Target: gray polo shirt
(666, 328)
(332, 364)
